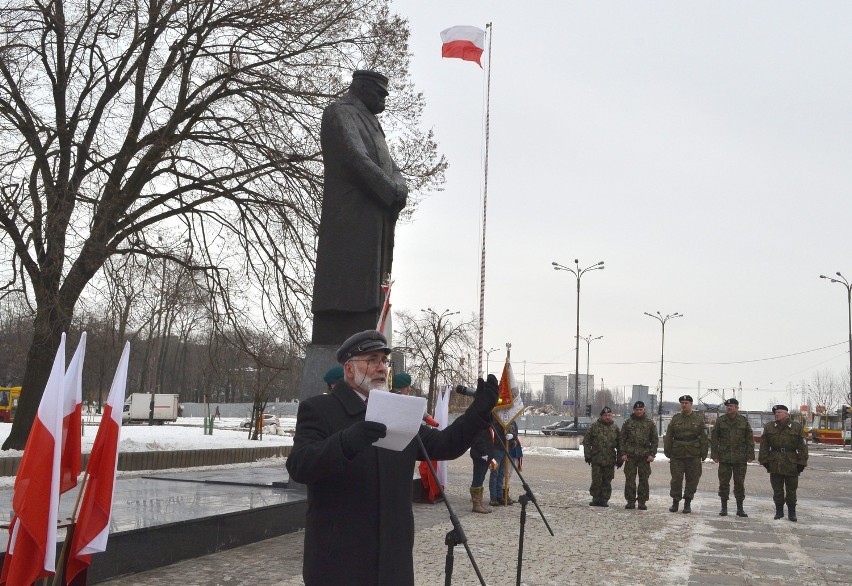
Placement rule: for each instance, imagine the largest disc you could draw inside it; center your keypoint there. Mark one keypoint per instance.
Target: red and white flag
(92, 527)
(463, 42)
(72, 414)
(31, 553)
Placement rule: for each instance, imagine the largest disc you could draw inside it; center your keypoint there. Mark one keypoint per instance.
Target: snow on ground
(185, 434)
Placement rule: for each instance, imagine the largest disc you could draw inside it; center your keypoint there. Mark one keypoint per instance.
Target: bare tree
(437, 347)
(825, 389)
(183, 131)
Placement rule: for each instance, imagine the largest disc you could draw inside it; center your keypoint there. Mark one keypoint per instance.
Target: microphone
(427, 419)
(466, 391)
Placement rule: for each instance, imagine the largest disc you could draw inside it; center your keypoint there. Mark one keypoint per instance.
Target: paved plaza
(595, 545)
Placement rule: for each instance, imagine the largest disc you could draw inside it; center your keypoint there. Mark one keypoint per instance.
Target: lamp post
(589, 339)
(488, 360)
(843, 281)
(662, 321)
(577, 272)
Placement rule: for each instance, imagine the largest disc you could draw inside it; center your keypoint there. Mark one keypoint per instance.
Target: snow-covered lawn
(186, 434)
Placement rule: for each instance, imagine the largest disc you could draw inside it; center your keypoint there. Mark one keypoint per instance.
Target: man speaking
(360, 526)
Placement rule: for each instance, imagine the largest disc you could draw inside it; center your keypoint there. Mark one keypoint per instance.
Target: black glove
(486, 397)
(361, 436)
(766, 466)
(589, 461)
(618, 463)
(800, 468)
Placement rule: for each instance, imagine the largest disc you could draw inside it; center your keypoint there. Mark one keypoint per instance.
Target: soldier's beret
(731, 401)
(333, 375)
(638, 405)
(371, 76)
(685, 398)
(361, 343)
(401, 380)
(780, 408)
(606, 410)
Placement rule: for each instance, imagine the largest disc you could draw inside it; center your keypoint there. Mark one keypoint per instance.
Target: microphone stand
(456, 535)
(525, 498)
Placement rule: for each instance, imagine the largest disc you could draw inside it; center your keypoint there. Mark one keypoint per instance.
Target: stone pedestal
(318, 359)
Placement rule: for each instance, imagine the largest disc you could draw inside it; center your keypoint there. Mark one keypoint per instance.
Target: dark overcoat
(363, 194)
(360, 526)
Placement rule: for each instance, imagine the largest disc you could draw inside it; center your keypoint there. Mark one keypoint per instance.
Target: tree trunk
(48, 327)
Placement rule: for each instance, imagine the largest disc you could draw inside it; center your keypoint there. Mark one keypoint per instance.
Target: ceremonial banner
(92, 527)
(442, 416)
(509, 402)
(31, 552)
(463, 42)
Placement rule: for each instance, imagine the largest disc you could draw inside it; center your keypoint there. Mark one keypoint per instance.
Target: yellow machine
(9, 403)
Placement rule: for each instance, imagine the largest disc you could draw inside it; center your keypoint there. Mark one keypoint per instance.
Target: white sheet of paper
(402, 414)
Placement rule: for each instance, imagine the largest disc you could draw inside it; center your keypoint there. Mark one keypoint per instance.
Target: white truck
(137, 408)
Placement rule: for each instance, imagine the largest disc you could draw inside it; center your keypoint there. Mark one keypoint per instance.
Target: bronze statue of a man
(363, 195)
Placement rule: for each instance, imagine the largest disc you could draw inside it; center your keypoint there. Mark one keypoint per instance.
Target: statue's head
(371, 87)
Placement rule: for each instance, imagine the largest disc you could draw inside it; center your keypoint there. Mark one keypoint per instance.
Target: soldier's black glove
(619, 464)
(361, 436)
(485, 399)
(800, 468)
(589, 461)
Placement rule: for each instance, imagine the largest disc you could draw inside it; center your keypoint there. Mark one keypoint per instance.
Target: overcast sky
(702, 150)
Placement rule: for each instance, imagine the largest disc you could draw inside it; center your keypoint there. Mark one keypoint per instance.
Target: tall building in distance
(555, 389)
(587, 389)
(641, 393)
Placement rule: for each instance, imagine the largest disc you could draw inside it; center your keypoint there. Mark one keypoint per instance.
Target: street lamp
(577, 272)
(487, 359)
(662, 321)
(589, 339)
(842, 280)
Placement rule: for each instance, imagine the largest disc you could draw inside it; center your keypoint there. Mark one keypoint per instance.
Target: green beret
(333, 375)
(401, 380)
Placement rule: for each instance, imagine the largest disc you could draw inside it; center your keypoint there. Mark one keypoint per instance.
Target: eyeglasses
(372, 362)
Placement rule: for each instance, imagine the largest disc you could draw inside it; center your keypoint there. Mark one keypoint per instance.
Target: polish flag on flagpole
(463, 42)
(72, 408)
(31, 553)
(92, 527)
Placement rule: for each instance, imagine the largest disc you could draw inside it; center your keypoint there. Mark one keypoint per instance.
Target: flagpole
(490, 29)
(59, 575)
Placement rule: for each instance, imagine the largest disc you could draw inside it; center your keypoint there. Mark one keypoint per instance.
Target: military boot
(791, 513)
(740, 511)
(630, 505)
(675, 505)
(642, 506)
(779, 511)
(724, 510)
(686, 507)
(476, 499)
(594, 503)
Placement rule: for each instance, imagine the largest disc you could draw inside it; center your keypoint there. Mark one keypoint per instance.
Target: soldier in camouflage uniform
(784, 454)
(685, 444)
(732, 447)
(638, 447)
(600, 447)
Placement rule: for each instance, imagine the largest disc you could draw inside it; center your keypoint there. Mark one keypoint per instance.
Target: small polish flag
(463, 42)
(92, 529)
(31, 553)
(72, 406)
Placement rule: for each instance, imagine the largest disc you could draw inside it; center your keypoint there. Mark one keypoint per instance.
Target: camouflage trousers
(690, 468)
(633, 466)
(738, 471)
(779, 483)
(602, 476)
